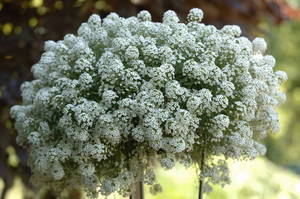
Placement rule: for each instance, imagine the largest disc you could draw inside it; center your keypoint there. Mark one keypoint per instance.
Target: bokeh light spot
(58, 5)
(13, 159)
(102, 5)
(7, 28)
(42, 10)
(8, 57)
(18, 30)
(41, 30)
(78, 3)
(33, 22)
(36, 3)
(8, 124)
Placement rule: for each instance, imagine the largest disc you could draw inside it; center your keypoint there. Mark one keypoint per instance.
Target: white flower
(57, 171)
(232, 30)
(170, 16)
(195, 15)
(86, 169)
(270, 60)
(123, 93)
(259, 44)
(174, 145)
(144, 15)
(168, 162)
(281, 75)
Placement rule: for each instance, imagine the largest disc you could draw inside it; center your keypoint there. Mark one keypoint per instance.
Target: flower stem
(138, 191)
(201, 181)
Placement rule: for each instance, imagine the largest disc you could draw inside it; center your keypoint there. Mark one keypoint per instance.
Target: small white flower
(57, 171)
(123, 93)
(259, 44)
(195, 14)
(144, 15)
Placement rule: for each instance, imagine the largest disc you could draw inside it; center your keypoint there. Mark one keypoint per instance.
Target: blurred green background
(26, 24)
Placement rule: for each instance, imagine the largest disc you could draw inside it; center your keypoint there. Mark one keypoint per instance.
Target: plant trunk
(200, 196)
(138, 191)
(201, 181)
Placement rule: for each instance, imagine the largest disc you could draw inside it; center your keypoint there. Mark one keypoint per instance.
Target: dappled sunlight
(259, 179)
(17, 190)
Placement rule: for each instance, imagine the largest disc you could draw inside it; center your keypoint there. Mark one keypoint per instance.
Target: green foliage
(284, 148)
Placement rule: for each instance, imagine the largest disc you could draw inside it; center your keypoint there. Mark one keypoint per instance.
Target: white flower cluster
(125, 92)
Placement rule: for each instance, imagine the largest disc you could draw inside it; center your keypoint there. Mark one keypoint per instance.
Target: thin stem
(200, 196)
(138, 186)
(141, 190)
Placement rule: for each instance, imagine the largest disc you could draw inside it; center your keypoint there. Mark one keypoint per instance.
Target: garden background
(26, 24)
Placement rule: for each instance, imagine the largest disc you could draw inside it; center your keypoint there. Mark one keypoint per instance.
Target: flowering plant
(123, 94)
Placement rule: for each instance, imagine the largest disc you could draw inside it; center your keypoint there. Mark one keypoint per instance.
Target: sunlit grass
(258, 179)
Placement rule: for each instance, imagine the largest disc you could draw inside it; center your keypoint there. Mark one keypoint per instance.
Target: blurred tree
(284, 148)
(26, 24)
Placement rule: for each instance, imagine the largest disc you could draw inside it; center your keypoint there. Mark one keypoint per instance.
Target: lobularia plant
(122, 94)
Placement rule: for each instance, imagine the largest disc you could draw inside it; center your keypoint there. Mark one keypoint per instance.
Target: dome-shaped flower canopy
(124, 93)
